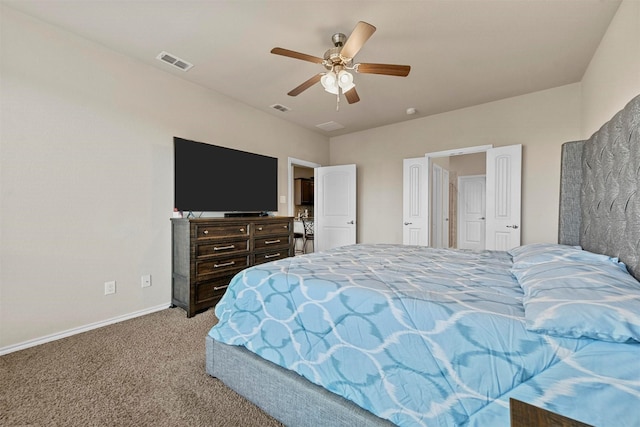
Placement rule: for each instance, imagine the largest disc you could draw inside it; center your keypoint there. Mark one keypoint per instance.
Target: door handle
(408, 223)
(512, 226)
(482, 218)
(351, 222)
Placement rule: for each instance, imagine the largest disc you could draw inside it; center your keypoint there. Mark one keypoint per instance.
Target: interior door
(504, 165)
(445, 208)
(436, 206)
(439, 207)
(335, 206)
(414, 202)
(471, 212)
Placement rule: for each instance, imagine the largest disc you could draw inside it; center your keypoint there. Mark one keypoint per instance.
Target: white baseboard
(78, 330)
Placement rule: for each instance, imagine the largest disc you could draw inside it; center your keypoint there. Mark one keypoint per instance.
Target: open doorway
(303, 192)
(448, 218)
(501, 186)
(301, 202)
(424, 224)
(457, 208)
(503, 169)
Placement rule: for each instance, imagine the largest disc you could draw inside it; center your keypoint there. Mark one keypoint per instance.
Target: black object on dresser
(208, 252)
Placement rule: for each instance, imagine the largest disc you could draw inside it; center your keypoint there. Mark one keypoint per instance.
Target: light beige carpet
(148, 371)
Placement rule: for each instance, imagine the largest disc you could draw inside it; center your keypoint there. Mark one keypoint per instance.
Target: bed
(375, 335)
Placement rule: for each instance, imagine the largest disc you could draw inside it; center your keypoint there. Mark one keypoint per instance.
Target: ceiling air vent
(280, 107)
(174, 60)
(329, 126)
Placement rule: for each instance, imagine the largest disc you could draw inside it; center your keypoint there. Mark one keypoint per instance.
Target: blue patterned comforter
(418, 336)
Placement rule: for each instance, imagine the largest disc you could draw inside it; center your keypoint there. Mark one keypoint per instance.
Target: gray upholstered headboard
(600, 190)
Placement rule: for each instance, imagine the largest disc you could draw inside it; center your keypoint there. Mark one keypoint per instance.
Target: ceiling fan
(338, 61)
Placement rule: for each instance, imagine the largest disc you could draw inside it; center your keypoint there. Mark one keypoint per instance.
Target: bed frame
(599, 210)
(283, 394)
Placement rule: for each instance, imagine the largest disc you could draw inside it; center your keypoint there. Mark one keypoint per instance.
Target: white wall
(613, 76)
(540, 121)
(86, 164)
(469, 164)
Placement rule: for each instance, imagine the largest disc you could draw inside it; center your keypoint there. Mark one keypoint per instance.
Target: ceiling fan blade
(357, 39)
(352, 96)
(296, 55)
(306, 85)
(386, 69)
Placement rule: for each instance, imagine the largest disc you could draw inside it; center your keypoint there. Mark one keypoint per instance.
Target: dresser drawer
(271, 242)
(221, 248)
(211, 289)
(219, 266)
(269, 228)
(272, 255)
(220, 231)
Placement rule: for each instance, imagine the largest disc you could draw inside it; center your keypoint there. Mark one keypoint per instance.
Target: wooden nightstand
(525, 415)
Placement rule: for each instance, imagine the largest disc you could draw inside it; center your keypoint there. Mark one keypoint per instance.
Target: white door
(439, 207)
(414, 202)
(436, 206)
(445, 208)
(471, 212)
(504, 166)
(335, 206)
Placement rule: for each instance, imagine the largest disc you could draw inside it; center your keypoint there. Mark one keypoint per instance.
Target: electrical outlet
(110, 287)
(146, 280)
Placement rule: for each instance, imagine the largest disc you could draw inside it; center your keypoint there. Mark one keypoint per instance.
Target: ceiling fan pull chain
(338, 101)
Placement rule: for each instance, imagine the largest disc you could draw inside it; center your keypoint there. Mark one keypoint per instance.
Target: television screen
(210, 178)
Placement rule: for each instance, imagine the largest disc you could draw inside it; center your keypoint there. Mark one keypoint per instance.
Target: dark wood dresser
(208, 252)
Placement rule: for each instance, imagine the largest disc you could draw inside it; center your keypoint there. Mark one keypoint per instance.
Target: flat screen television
(209, 178)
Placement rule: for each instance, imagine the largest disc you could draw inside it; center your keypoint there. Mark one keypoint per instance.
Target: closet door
(504, 166)
(472, 213)
(414, 202)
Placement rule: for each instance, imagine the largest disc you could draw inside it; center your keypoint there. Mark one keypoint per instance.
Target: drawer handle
(226, 264)
(222, 248)
(259, 228)
(242, 230)
(205, 232)
(270, 242)
(217, 288)
(272, 255)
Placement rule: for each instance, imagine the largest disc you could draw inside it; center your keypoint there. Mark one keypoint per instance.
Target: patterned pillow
(536, 253)
(596, 299)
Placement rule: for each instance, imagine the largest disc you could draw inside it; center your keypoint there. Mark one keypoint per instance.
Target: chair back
(308, 227)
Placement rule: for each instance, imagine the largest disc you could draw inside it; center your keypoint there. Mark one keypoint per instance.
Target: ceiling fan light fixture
(345, 80)
(330, 82)
(347, 88)
(344, 77)
(332, 90)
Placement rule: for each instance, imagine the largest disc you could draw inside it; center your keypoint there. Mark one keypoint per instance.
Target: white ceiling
(462, 52)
